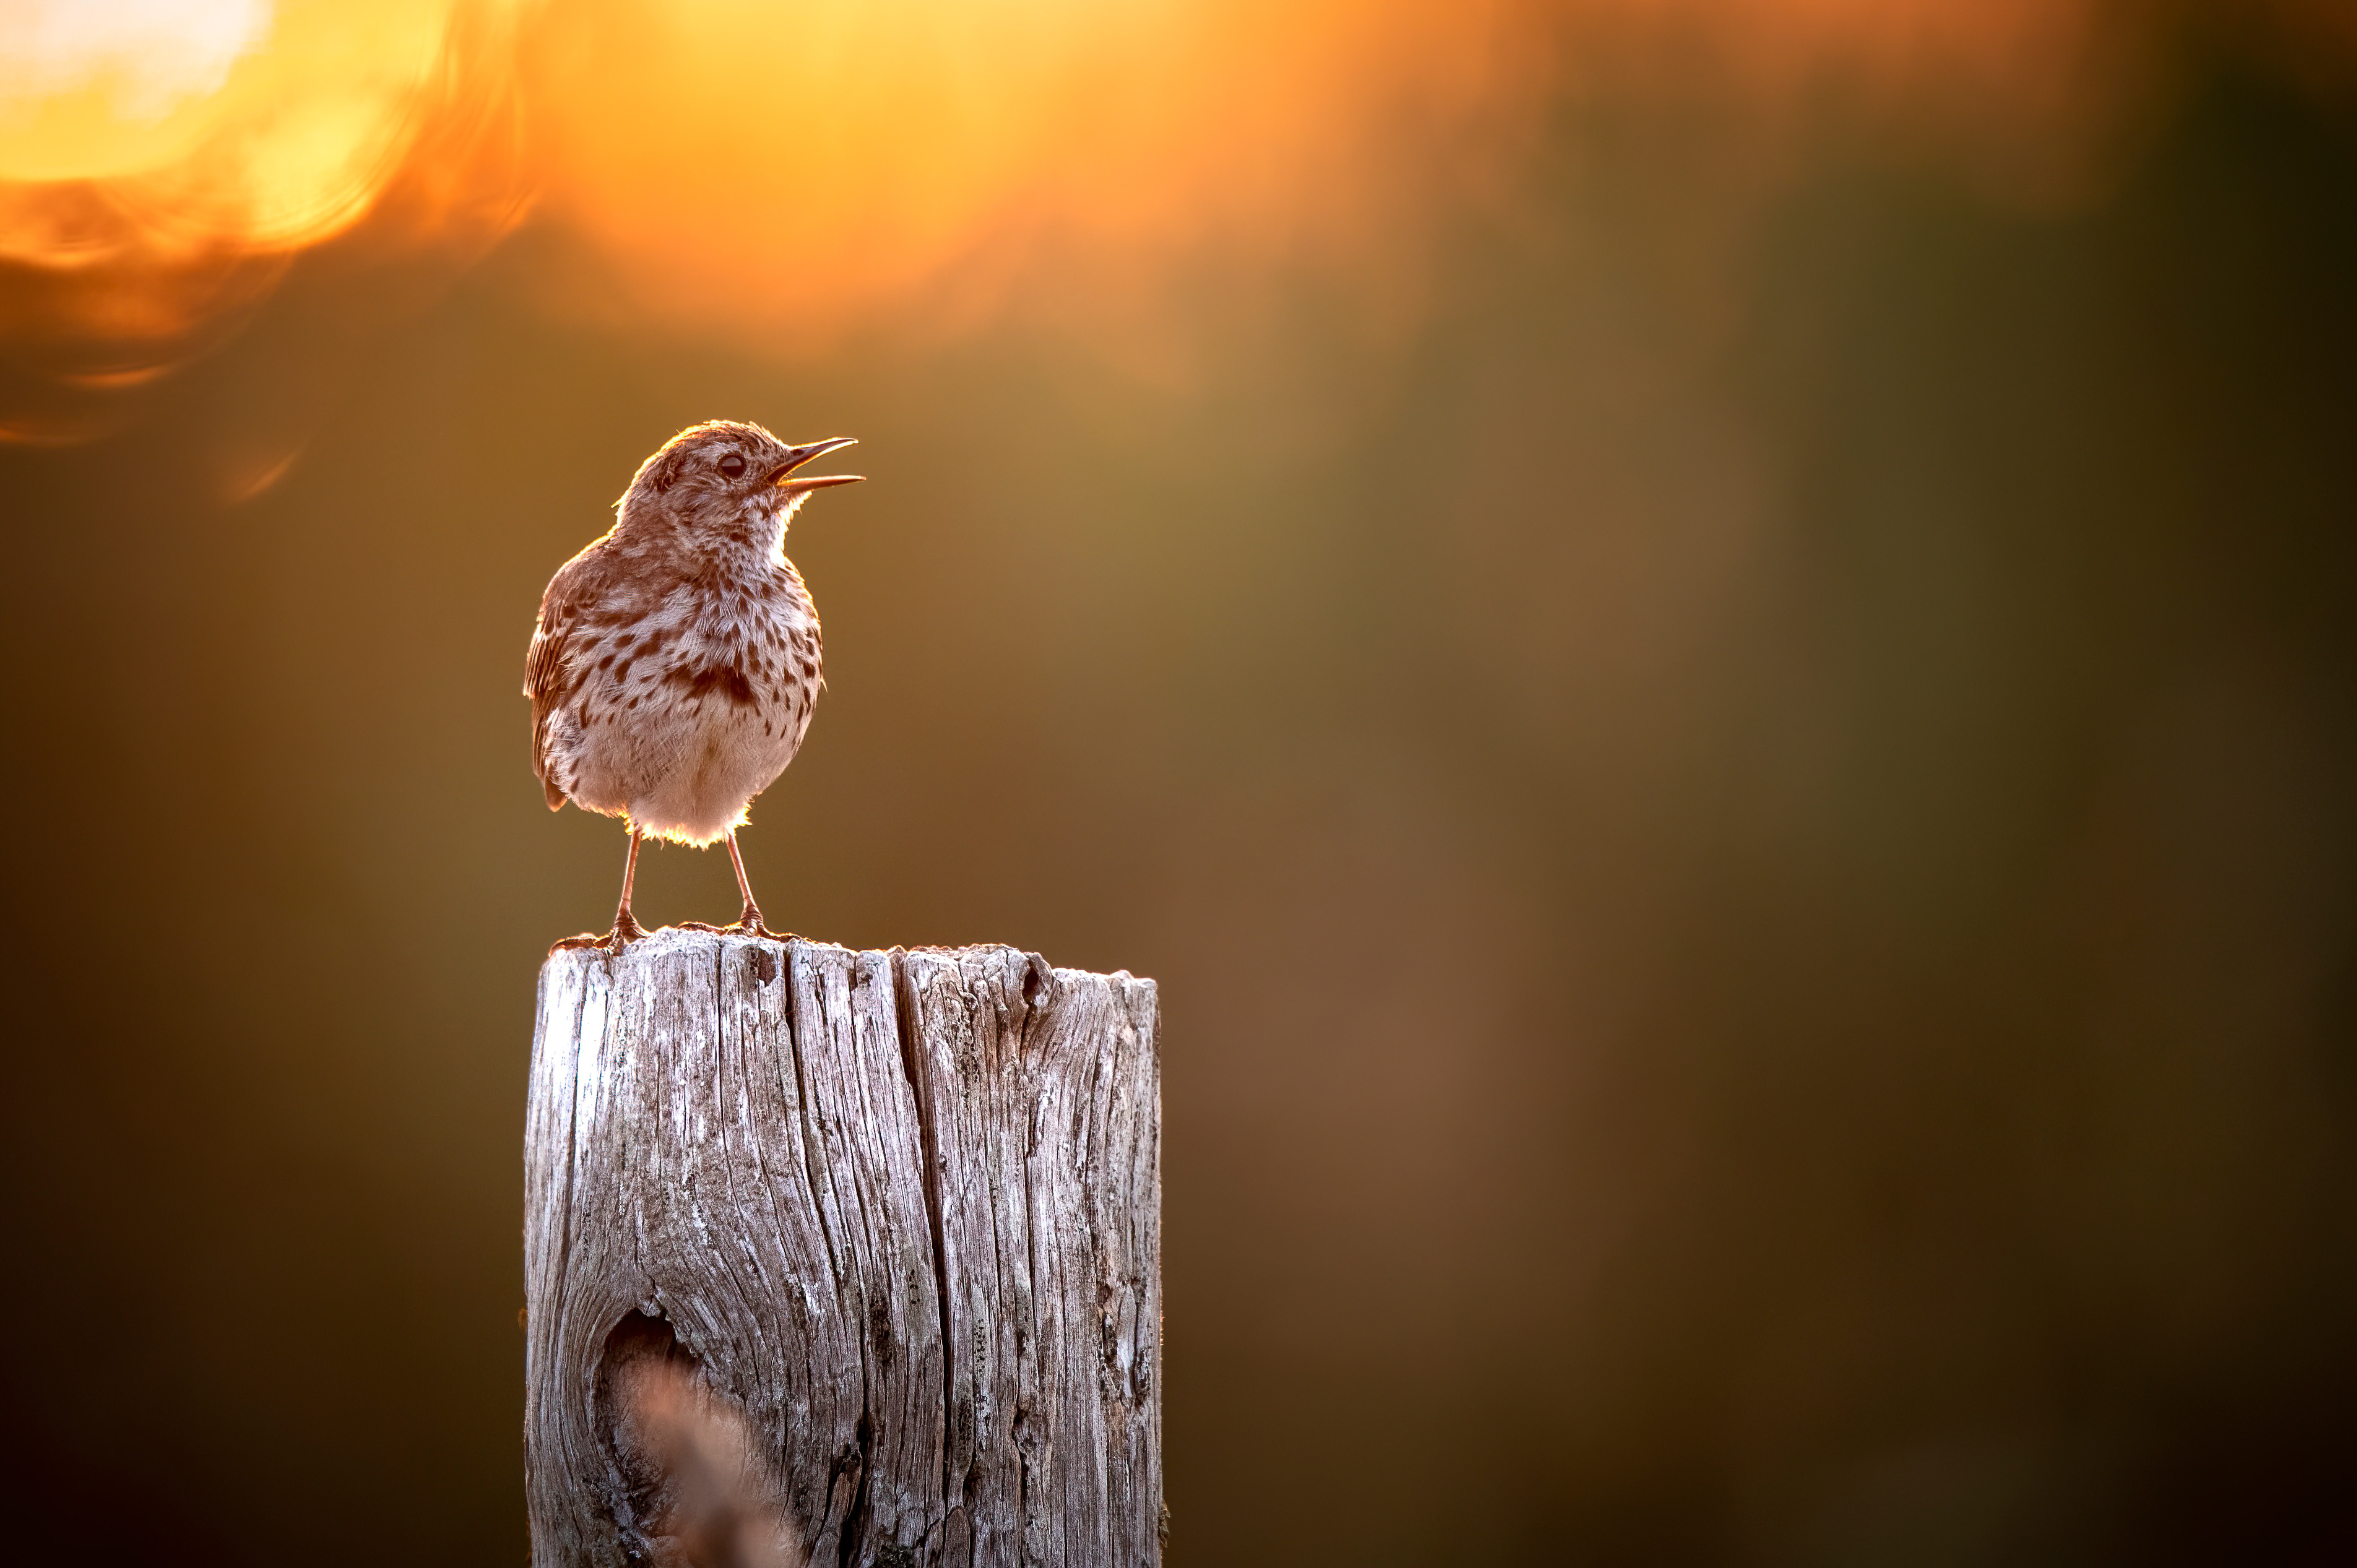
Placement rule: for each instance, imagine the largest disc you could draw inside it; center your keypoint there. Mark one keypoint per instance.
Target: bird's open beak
(800, 454)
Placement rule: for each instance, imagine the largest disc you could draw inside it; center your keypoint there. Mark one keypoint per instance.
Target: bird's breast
(753, 642)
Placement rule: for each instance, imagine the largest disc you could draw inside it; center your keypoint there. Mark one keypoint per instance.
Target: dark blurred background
(1740, 791)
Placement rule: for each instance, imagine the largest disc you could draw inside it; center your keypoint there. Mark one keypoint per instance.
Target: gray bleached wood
(901, 1209)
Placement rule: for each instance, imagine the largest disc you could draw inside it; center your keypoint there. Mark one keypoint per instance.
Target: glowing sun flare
(796, 165)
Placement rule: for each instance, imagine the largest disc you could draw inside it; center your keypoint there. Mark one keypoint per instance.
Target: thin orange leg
(627, 929)
(625, 925)
(751, 921)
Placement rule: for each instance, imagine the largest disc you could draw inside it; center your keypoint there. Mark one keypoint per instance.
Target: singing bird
(676, 660)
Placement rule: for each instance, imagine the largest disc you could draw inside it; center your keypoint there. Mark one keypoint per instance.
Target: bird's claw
(750, 924)
(626, 931)
(745, 925)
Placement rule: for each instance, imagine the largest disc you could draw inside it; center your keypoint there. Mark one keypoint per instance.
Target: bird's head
(723, 475)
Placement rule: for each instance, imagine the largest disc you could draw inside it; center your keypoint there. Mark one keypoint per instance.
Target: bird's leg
(625, 925)
(749, 922)
(627, 929)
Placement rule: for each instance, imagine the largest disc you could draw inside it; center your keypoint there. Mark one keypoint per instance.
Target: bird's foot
(750, 924)
(626, 930)
(740, 930)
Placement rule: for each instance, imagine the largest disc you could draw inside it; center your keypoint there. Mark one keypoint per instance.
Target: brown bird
(676, 660)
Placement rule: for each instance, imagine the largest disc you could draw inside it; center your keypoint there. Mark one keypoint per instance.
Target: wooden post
(896, 1215)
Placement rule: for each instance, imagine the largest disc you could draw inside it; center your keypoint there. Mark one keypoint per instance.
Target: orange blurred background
(782, 175)
(1707, 642)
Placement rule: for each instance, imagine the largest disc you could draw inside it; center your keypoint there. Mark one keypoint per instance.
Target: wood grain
(900, 1210)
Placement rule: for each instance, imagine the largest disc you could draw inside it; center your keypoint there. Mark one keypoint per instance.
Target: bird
(676, 658)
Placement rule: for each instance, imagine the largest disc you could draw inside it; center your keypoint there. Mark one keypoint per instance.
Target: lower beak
(779, 476)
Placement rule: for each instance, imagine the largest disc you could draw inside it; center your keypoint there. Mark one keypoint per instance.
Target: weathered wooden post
(897, 1214)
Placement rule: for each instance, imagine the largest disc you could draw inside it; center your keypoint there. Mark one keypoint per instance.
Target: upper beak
(800, 454)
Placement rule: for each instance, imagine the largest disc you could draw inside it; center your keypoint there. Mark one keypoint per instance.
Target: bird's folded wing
(549, 678)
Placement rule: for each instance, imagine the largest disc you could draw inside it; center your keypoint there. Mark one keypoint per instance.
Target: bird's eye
(733, 466)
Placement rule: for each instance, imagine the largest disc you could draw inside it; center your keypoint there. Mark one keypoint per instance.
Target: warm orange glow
(160, 162)
(790, 166)
(779, 172)
(241, 122)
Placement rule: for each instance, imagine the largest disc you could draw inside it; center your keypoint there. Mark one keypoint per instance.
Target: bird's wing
(549, 678)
